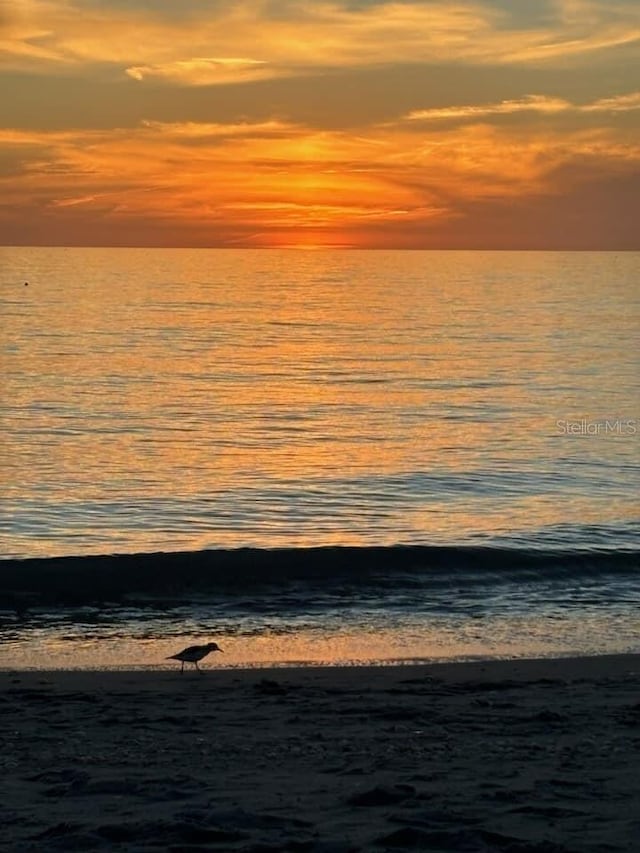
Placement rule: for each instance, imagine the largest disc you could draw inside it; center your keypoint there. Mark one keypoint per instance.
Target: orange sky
(360, 123)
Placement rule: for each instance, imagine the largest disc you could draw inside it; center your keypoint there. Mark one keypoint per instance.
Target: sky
(489, 124)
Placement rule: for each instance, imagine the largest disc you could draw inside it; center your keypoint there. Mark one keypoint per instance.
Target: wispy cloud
(207, 44)
(195, 130)
(615, 104)
(291, 176)
(203, 71)
(528, 104)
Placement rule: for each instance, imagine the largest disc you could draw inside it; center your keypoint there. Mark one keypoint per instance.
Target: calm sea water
(164, 400)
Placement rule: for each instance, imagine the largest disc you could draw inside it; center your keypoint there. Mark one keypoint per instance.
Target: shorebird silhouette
(192, 654)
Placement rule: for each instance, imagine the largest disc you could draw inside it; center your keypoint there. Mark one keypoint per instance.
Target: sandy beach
(511, 756)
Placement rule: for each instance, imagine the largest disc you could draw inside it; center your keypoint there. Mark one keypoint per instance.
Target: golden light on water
(432, 640)
(345, 397)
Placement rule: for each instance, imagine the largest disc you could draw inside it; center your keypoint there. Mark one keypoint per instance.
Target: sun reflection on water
(442, 639)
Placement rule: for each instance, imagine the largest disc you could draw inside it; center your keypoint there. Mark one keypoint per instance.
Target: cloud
(528, 104)
(290, 176)
(616, 104)
(273, 183)
(204, 71)
(208, 44)
(199, 129)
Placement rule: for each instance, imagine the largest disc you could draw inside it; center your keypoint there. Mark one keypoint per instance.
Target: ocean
(343, 456)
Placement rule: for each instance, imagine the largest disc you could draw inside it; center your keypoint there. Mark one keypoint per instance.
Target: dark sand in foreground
(515, 756)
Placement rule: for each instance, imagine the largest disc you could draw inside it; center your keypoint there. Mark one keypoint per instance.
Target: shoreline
(537, 755)
(575, 665)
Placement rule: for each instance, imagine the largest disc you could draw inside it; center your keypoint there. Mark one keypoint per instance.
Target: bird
(192, 654)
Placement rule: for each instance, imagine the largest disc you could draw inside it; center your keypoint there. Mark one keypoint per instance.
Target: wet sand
(510, 756)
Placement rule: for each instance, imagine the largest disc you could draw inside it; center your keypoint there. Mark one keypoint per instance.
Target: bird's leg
(197, 667)
(182, 667)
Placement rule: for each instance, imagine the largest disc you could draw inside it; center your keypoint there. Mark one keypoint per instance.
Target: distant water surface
(183, 400)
